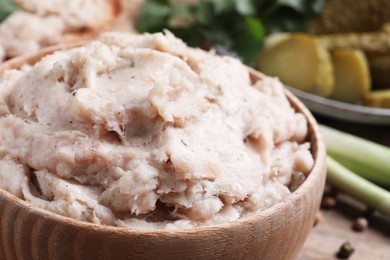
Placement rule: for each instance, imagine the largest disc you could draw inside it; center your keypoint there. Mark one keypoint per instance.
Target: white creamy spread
(74, 13)
(142, 131)
(43, 23)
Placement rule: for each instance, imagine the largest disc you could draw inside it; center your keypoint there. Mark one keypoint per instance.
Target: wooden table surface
(335, 228)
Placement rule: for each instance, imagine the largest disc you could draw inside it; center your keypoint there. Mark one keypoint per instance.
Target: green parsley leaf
(249, 44)
(232, 27)
(205, 14)
(255, 28)
(154, 14)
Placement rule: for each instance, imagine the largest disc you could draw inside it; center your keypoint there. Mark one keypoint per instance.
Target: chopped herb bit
(183, 142)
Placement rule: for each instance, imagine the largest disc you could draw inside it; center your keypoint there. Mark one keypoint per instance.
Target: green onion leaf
(368, 159)
(358, 187)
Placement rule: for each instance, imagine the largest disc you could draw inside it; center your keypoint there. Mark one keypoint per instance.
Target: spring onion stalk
(358, 187)
(367, 159)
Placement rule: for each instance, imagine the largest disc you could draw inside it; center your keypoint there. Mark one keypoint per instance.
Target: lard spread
(42, 23)
(141, 131)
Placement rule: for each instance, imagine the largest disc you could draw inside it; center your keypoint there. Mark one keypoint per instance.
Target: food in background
(233, 27)
(375, 45)
(359, 65)
(341, 16)
(358, 167)
(300, 62)
(351, 75)
(378, 98)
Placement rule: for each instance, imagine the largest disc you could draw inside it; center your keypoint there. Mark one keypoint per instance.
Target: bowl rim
(317, 171)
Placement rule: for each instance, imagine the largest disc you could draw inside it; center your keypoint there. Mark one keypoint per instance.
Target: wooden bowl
(28, 232)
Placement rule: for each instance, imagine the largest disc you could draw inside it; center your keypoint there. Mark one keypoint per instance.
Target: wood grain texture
(335, 228)
(279, 232)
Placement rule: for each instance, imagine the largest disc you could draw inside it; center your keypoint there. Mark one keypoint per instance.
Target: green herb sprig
(234, 27)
